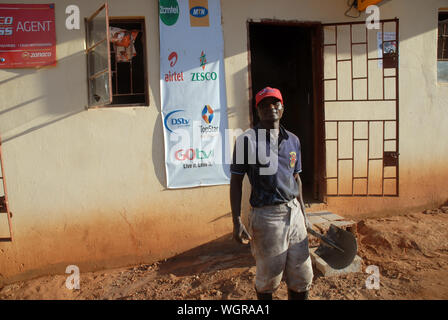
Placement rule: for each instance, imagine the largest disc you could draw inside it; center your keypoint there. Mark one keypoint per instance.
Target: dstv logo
(179, 121)
(175, 120)
(198, 12)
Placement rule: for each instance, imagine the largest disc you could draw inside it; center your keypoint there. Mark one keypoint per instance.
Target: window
(442, 47)
(116, 60)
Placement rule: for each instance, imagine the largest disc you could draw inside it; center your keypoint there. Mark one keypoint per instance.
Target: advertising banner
(193, 95)
(27, 35)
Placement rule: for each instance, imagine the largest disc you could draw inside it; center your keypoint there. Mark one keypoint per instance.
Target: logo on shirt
(292, 159)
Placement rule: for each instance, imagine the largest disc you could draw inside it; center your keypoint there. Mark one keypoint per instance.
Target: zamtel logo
(199, 12)
(171, 121)
(168, 11)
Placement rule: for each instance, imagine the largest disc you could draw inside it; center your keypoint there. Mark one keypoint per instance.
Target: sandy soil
(411, 252)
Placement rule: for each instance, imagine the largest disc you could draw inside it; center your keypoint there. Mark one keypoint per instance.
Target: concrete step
(328, 271)
(321, 221)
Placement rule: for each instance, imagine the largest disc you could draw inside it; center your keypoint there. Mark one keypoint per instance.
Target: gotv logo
(192, 154)
(203, 76)
(174, 120)
(173, 76)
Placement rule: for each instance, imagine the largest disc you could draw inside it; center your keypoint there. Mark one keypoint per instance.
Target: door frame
(316, 28)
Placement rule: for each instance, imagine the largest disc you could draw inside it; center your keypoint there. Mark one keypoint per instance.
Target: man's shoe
(292, 295)
(264, 296)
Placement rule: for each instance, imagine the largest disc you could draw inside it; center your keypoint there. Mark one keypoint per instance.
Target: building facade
(87, 186)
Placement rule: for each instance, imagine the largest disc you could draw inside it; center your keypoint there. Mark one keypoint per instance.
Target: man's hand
(240, 233)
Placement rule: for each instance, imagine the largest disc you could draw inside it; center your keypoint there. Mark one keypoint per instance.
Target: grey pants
(280, 245)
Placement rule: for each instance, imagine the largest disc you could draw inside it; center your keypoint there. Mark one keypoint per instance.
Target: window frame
(90, 77)
(140, 20)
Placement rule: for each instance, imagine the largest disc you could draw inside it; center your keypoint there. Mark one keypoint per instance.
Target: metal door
(361, 104)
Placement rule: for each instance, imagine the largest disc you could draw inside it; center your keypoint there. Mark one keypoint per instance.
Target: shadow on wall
(58, 95)
(31, 99)
(158, 151)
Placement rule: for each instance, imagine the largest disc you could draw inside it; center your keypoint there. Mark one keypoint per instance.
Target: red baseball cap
(268, 92)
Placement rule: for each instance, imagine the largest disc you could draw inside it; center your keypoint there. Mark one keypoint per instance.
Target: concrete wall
(87, 187)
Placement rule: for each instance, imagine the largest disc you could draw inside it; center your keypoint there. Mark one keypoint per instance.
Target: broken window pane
(98, 58)
(99, 90)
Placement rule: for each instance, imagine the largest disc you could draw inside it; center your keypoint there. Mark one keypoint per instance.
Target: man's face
(270, 109)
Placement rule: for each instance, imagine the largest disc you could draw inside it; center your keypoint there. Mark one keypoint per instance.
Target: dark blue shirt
(271, 184)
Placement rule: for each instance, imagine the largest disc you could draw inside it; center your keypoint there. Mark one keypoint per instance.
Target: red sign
(27, 35)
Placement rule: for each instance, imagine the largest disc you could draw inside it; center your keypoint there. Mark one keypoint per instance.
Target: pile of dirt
(410, 251)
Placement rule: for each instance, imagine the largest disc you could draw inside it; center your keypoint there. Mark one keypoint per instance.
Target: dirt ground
(410, 250)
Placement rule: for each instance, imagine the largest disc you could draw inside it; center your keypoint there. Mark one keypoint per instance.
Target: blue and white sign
(193, 94)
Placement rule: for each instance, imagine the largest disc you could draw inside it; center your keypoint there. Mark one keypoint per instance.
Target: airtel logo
(172, 58)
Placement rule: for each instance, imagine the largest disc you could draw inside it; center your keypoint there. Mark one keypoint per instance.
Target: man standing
(270, 156)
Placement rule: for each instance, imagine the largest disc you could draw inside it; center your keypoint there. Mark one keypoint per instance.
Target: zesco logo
(176, 120)
(203, 76)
